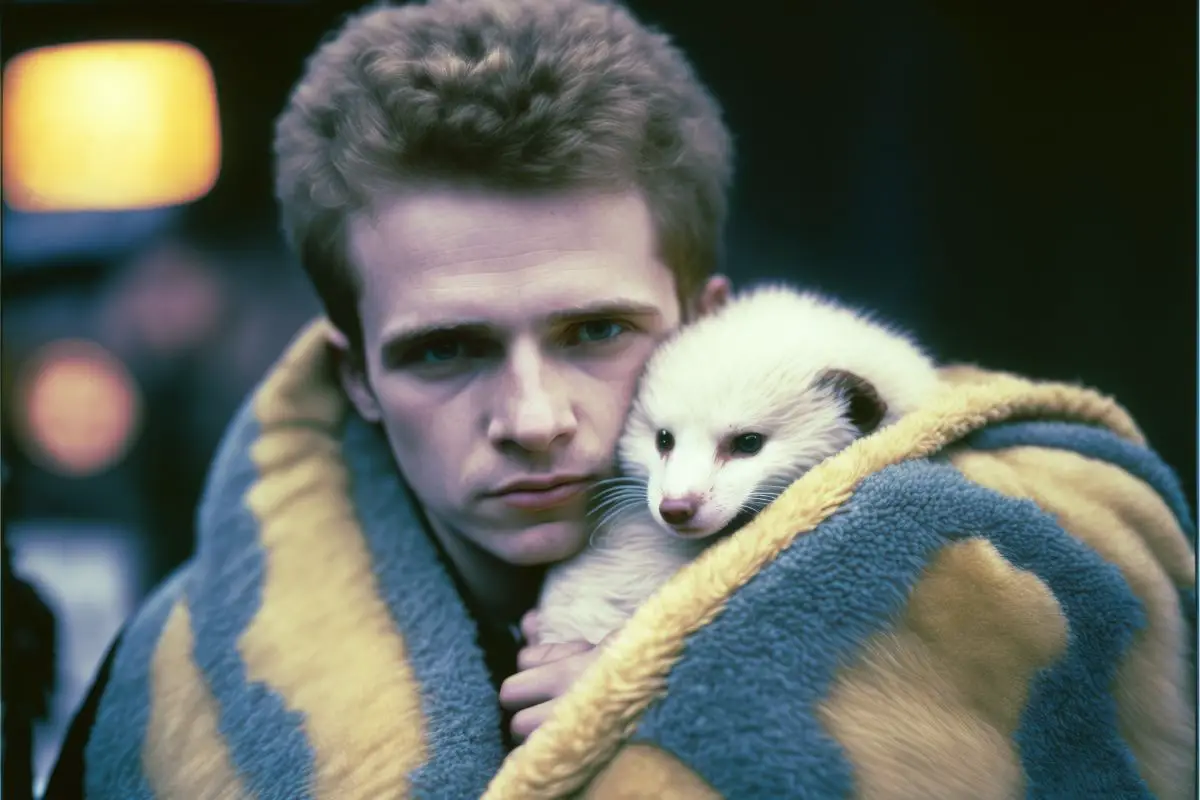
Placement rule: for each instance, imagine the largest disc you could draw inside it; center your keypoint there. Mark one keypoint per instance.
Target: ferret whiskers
(620, 480)
(613, 516)
(617, 498)
(621, 497)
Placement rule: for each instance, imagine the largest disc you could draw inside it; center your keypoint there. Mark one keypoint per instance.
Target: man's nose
(679, 510)
(534, 407)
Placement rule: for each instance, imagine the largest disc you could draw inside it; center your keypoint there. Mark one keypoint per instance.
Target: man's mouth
(543, 494)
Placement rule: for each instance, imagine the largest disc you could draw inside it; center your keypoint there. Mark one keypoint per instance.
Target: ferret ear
(865, 408)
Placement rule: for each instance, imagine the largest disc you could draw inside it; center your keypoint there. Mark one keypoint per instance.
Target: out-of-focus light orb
(168, 301)
(79, 408)
(109, 125)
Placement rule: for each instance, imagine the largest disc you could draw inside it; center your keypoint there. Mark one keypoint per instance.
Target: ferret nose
(678, 510)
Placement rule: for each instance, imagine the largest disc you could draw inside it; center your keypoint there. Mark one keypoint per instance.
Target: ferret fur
(762, 363)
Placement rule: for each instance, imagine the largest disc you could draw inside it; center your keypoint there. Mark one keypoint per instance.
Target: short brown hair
(509, 94)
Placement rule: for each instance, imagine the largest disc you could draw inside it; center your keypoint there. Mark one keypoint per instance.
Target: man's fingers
(529, 626)
(545, 672)
(536, 656)
(524, 689)
(528, 720)
(545, 681)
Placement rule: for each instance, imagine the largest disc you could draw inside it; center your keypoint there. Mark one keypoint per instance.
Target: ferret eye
(665, 441)
(747, 444)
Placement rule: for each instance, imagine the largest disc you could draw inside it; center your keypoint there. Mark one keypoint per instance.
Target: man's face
(502, 338)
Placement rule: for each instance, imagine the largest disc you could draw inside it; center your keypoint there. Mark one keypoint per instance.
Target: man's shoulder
(144, 628)
(108, 726)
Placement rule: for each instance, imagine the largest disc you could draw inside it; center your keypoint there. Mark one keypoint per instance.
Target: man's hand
(544, 672)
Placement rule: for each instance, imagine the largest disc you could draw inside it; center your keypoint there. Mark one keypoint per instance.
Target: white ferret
(728, 413)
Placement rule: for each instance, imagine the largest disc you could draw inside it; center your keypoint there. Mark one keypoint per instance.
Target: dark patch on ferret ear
(864, 407)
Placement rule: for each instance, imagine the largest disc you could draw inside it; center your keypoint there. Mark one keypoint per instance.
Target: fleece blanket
(990, 599)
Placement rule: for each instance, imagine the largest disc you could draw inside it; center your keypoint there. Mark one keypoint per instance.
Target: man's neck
(500, 591)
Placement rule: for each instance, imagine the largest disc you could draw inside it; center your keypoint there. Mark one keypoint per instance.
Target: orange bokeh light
(109, 126)
(78, 408)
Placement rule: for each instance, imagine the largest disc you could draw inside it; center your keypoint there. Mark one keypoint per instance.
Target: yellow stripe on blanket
(925, 714)
(1107, 508)
(184, 756)
(324, 639)
(644, 772)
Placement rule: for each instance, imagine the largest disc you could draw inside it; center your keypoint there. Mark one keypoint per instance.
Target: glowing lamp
(107, 126)
(78, 408)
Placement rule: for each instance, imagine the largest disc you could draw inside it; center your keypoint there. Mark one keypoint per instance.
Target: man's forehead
(460, 259)
(447, 226)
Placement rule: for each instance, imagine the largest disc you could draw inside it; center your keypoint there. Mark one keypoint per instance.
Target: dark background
(1014, 182)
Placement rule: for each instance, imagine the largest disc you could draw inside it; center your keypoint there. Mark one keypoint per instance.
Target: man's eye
(600, 330)
(440, 352)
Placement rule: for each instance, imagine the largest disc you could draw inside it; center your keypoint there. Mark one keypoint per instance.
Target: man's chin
(536, 545)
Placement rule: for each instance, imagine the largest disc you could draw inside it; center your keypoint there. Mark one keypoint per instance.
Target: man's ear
(352, 374)
(713, 296)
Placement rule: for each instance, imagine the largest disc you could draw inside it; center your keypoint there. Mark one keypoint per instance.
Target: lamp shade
(109, 126)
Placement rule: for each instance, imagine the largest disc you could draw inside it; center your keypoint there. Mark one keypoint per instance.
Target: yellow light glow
(109, 126)
(79, 409)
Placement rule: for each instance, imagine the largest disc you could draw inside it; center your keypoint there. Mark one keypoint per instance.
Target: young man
(504, 205)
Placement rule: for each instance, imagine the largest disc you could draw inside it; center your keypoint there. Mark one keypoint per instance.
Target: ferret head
(741, 404)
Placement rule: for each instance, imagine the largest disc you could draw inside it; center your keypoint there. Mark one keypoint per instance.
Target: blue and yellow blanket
(990, 599)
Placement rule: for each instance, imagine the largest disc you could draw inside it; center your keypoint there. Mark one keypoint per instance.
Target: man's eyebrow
(606, 308)
(403, 338)
(406, 337)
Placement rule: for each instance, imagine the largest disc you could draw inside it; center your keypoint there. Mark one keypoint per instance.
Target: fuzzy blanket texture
(993, 598)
